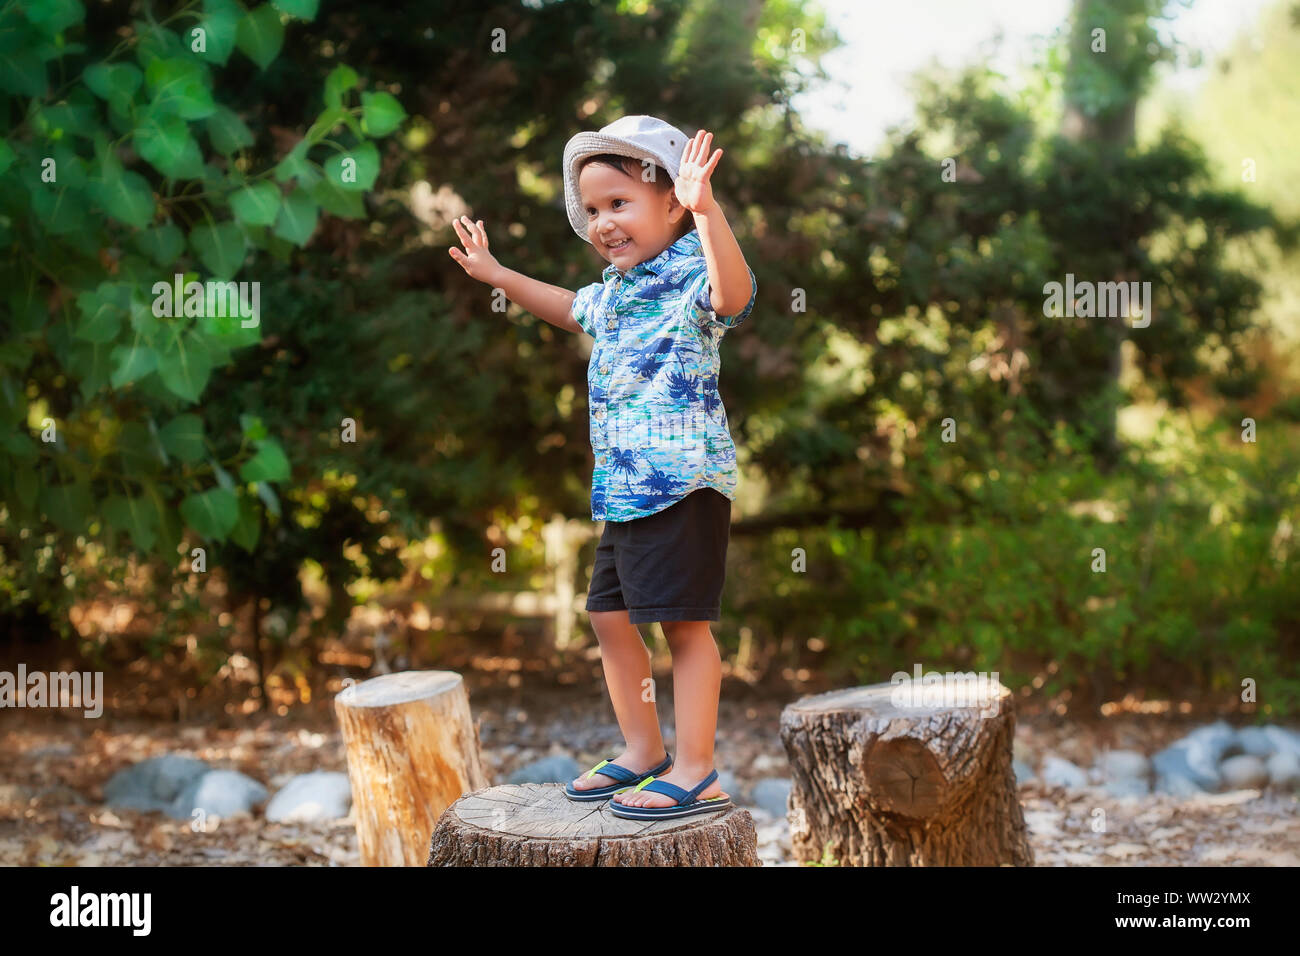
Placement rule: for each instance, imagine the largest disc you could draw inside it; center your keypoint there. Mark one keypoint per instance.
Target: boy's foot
(626, 759)
(680, 775)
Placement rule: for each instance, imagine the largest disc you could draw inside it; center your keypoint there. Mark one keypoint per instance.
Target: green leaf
(166, 144)
(212, 514)
(221, 21)
(163, 243)
(184, 368)
(126, 197)
(296, 164)
(341, 79)
(179, 87)
(164, 519)
(228, 132)
(302, 9)
(261, 35)
(249, 527)
(139, 450)
(269, 464)
(22, 72)
(132, 362)
(109, 80)
(297, 219)
(134, 515)
(61, 212)
(183, 437)
(52, 17)
(7, 155)
(100, 319)
(338, 202)
(252, 427)
(257, 204)
(220, 247)
(269, 498)
(68, 506)
(380, 113)
(223, 476)
(355, 170)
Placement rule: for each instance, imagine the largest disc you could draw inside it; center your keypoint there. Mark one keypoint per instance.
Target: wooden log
(412, 751)
(535, 824)
(885, 785)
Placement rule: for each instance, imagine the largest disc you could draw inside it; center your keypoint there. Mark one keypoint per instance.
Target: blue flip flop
(687, 803)
(620, 773)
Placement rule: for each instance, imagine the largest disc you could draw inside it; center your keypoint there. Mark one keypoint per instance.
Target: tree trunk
(885, 785)
(412, 750)
(537, 825)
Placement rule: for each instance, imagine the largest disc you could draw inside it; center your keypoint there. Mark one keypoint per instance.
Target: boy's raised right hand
(475, 260)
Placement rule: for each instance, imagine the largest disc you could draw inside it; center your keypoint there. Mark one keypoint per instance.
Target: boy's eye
(591, 211)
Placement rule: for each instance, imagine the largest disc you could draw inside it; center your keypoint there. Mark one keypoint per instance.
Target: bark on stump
(412, 751)
(904, 786)
(535, 824)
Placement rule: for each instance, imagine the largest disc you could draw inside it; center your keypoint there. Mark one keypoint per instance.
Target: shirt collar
(687, 245)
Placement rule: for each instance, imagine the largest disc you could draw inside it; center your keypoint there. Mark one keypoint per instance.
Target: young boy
(665, 464)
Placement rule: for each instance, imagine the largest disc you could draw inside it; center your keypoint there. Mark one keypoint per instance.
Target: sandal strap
(611, 769)
(682, 797)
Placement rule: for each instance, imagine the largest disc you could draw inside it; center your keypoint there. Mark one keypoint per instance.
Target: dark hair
(631, 166)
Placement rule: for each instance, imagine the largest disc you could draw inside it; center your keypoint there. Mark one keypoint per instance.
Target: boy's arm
(729, 280)
(550, 303)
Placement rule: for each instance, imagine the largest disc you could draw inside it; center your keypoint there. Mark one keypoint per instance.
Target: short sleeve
(583, 309)
(698, 291)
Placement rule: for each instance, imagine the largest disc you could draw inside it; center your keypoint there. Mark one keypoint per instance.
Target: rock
(771, 795)
(1022, 770)
(556, 769)
(1284, 739)
(1128, 787)
(218, 793)
(311, 797)
(1257, 742)
(1244, 772)
(1195, 759)
(1284, 770)
(1058, 772)
(1123, 765)
(153, 784)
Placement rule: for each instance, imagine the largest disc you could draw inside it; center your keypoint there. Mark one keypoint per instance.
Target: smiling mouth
(617, 246)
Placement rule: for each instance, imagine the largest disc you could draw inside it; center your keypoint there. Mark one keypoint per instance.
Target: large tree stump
(412, 750)
(535, 824)
(882, 785)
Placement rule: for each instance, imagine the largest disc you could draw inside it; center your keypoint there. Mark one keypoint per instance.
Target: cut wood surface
(535, 824)
(884, 785)
(412, 751)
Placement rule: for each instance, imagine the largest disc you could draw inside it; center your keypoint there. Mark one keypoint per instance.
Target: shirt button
(604, 369)
(609, 324)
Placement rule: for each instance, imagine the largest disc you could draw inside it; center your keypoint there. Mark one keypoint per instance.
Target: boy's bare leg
(626, 662)
(697, 681)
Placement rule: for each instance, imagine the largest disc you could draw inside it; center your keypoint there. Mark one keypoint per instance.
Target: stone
(218, 793)
(1128, 787)
(315, 797)
(771, 795)
(1244, 772)
(1120, 765)
(1195, 759)
(730, 785)
(1284, 770)
(1257, 742)
(1058, 772)
(554, 769)
(1022, 770)
(153, 784)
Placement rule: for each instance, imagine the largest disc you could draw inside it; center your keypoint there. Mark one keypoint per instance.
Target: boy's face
(622, 207)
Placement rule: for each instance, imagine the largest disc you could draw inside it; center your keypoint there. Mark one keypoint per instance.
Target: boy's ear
(675, 209)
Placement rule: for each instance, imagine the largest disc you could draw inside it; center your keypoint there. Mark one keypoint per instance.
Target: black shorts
(668, 566)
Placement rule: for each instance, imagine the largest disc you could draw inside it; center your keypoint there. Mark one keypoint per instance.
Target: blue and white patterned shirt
(658, 428)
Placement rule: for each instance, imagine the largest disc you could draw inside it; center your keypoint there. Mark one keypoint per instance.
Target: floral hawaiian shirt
(658, 428)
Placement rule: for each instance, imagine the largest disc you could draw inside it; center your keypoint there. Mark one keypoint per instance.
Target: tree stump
(886, 785)
(412, 750)
(535, 824)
